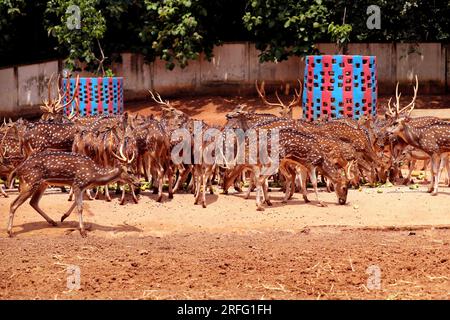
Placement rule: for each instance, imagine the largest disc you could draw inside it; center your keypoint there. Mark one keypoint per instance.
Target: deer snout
(342, 201)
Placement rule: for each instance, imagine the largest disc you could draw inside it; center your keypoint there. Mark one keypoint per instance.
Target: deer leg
(170, 181)
(122, 197)
(302, 175)
(265, 189)
(439, 165)
(434, 166)
(259, 190)
(89, 194)
(288, 182)
(328, 184)
(70, 195)
(34, 202)
(192, 184)
(210, 184)
(25, 192)
(133, 194)
(68, 212)
(182, 176)
(160, 183)
(197, 183)
(293, 175)
(204, 184)
(411, 166)
(251, 183)
(447, 166)
(79, 204)
(3, 192)
(108, 197)
(313, 177)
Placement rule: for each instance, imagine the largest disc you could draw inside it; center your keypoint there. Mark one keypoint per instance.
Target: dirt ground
(175, 250)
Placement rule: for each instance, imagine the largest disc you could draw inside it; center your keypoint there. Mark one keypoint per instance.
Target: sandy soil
(175, 250)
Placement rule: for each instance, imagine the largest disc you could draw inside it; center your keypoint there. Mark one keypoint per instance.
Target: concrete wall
(233, 71)
(23, 88)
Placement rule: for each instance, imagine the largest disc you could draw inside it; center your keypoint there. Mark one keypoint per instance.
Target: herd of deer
(87, 153)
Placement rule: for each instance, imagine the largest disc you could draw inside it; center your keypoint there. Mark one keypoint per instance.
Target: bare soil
(175, 250)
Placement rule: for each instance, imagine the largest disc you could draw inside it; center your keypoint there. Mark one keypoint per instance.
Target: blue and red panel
(95, 95)
(337, 86)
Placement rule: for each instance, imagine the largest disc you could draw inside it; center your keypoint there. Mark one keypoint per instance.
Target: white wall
(233, 70)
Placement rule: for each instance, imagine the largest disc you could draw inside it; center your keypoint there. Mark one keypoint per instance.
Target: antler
(262, 93)
(390, 111)
(412, 104)
(122, 156)
(159, 100)
(59, 106)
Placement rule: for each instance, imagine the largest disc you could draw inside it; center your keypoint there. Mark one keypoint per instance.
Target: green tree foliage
(180, 30)
(78, 43)
(286, 27)
(177, 31)
(412, 20)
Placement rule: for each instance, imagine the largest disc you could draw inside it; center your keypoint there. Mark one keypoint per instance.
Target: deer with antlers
(65, 169)
(429, 134)
(53, 109)
(286, 109)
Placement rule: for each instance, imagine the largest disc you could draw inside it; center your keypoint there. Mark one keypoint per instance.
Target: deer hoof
(53, 223)
(434, 193)
(321, 204)
(10, 233)
(108, 199)
(430, 190)
(170, 195)
(283, 201)
(159, 199)
(83, 233)
(204, 205)
(269, 203)
(260, 209)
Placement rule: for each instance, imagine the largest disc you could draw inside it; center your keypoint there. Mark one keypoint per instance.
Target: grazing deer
(410, 156)
(66, 169)
(433, 139)
(302, 149)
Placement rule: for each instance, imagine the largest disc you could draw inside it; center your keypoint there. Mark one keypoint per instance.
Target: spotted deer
(286, 109)
(53, 109)
(63, 168)
(154, 154)
(432, 138)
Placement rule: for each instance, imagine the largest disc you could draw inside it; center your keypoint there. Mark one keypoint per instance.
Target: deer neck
(410, 136)
(108, 176)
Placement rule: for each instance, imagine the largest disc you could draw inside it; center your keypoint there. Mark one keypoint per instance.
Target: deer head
(52, 109)
(286, 109)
